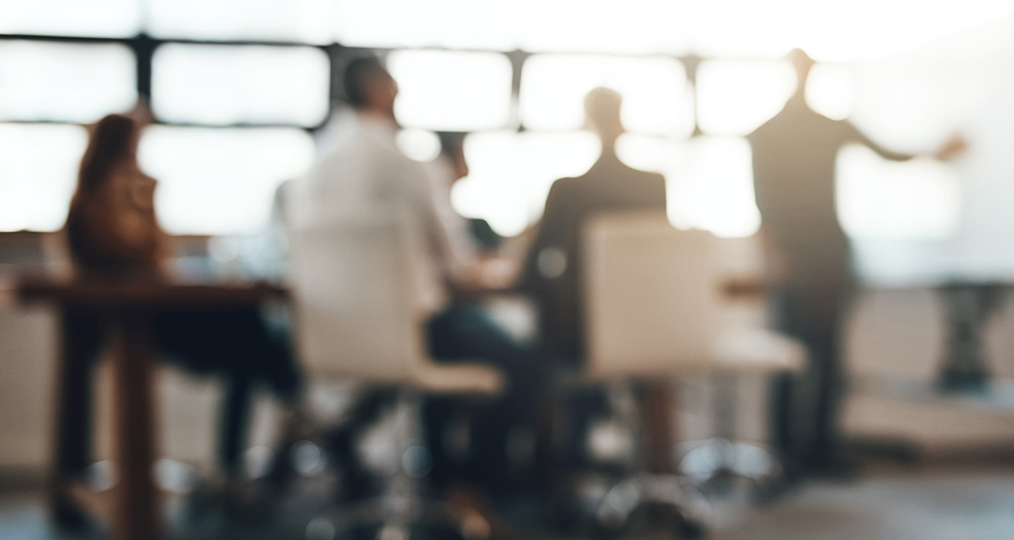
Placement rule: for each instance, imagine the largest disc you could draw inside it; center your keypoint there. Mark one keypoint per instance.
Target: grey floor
(925, 505)
(916, 504)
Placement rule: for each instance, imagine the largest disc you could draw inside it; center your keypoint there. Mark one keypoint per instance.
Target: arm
(464, 273)
(953, 147)
(854, 134)
(550, 232)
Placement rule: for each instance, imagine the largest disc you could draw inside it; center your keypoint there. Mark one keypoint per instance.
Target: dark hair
(451, 142)
(111, 140)
(357, 72)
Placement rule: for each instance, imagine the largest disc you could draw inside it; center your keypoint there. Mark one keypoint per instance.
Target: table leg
(82, 335)
(659, 426)
(135, 513)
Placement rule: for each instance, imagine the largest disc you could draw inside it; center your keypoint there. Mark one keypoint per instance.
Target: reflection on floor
(922, 504)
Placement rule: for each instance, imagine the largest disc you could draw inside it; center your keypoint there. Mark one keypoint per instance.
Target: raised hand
(954, 147)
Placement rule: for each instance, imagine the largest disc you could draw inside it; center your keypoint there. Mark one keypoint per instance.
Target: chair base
(615, 506)
(708, 464)
(394, 517)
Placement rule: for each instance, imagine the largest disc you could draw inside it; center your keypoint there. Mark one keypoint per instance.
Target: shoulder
(564, 185)
(645, 179)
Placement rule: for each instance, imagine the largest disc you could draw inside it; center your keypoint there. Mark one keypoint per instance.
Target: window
(221, 181)
(711, 187)
(736, 97)
(880, 199)
(100, 18)
(216, 84)
(656, 100)
(829, 90)
(511, 173)
(38, 173)
(452, 91)
(63, 82)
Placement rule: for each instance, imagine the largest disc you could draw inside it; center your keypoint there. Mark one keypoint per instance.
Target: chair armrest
(758, 350)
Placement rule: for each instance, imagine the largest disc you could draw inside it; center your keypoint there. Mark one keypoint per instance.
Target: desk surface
(145, 293)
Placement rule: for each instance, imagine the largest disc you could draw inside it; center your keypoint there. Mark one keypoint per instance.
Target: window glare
(216, 84)
(221, 181)
(879, 199)
(511, 173)
(453, 91)
(640, 26)
(829, 90)
(38, 172)
(736, 97)
(711, 187)
(99, 18)
(307, 21)
(419, 144)
(60, 82)
(553, 88)
(435, 23)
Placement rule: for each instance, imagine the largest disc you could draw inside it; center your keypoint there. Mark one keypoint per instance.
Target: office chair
(653, 310)
(358, 319)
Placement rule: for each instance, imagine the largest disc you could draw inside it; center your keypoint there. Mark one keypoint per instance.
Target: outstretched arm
(952, 148)
(860, 137)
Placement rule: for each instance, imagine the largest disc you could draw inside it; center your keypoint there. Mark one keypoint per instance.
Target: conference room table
(129, 305)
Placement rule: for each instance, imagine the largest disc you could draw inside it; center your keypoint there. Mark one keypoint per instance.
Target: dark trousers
(806, 406)
(465, 332)
(232, 344)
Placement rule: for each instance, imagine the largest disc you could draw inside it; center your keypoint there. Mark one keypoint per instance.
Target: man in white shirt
(364, 170)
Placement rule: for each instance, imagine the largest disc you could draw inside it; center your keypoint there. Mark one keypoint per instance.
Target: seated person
(552, 270)
(364, 170)
(446, 170)
(113, 234)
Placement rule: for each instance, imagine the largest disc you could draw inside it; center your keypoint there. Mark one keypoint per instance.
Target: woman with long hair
(113, 233)
(111, 225)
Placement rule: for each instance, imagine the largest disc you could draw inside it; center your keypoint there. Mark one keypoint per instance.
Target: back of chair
(355, 302)
(651, 299)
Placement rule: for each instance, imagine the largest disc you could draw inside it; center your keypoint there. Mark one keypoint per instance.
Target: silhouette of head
(802, 62)
(602, 108)
(369, 87)
(113, 140)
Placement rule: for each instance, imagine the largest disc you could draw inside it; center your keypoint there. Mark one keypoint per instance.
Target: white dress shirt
(363, 170)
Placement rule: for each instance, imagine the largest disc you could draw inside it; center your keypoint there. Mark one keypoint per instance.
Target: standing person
(113, 234)
(365, 170)
(794, 180)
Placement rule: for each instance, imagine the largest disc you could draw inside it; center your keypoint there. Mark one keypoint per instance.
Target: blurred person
(364, 170)
(810, 261)
(552, 269)
(445, 171)
(113, 234)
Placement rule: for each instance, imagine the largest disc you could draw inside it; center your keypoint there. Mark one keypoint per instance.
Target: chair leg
(723, 458)
(674, 491)
(402, 507)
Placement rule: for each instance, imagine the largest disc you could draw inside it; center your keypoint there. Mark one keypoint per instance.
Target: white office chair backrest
(651, 300)
(355, 302)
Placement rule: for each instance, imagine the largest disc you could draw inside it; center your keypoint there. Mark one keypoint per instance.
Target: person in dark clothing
(552, 270)
(113, 234)
(810, 260)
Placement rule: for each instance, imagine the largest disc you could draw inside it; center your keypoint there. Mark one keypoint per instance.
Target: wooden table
(128, 307)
